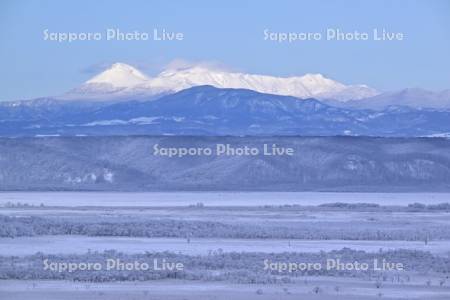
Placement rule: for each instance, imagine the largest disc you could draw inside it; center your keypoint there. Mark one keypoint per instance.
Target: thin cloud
(179, 63)
(152, 68)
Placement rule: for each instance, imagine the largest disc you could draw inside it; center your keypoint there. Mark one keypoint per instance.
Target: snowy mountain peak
(307, 86)
(120, 75)
(123, 81)
(312, 76)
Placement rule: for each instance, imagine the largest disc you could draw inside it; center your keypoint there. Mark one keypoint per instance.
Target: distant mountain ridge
(411, 97)
(122, 83)
(206, 110)
(318, 164)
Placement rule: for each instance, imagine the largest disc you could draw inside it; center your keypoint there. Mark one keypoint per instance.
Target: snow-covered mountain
(209, 111)
(119, 82)
(411, 97)
(120, 75)
(122, 81)
(181, 105)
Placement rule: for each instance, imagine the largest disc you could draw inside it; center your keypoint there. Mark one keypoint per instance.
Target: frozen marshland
(215, 198)
(223, 241)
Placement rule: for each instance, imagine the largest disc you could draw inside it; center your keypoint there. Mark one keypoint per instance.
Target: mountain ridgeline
(206, 110)
(316, 164)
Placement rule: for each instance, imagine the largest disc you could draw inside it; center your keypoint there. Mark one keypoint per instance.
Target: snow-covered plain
(215, 198)
(330, 288)
(239, 230)
(201, 246)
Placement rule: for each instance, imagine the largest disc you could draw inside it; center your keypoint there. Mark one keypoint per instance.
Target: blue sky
(229, 33)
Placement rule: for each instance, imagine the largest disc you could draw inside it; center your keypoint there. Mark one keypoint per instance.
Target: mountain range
(124, 101)
(207, 110)
(122, 81)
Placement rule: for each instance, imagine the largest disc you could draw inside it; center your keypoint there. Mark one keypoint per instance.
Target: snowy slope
(412, 97)
(120, 75)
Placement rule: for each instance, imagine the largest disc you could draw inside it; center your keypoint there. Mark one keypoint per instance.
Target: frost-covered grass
(223, 247)
(227, 276)
(335, 222)
(240, 267)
